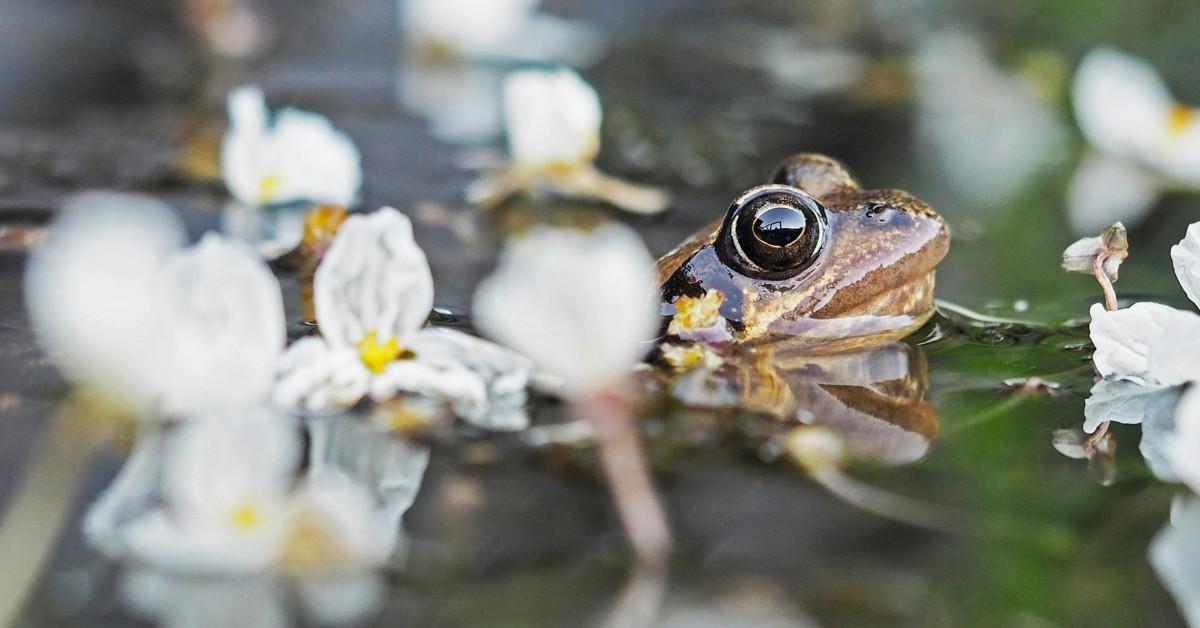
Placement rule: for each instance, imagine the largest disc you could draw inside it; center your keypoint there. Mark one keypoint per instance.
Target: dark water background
(106, 95)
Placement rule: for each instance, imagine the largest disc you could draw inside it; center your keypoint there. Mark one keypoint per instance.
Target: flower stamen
(375, 356)
(268, 189)
(1179, 119)
(246, 517)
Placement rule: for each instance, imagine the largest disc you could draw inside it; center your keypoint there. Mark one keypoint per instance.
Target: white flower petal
(552, 118)
(1104, 190)
(91, 295)
(505, 375)
(1158, 429)
(298, 156)
(1121, 104)
(1186, 258)
(580, 305)
(1122, 401)
(435, 376)
(224, 327)
(1175, 554)
(374, 278)
(1136, 343)
(314, 376)
(1181, 447)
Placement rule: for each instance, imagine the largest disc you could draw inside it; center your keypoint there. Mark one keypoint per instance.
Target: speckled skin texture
(872, 283)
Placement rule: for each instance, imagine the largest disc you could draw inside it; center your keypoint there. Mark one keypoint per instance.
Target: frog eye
(773, 232)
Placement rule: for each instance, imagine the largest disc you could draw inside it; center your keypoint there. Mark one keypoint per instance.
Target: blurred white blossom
(121, 306)
(989, 130)
(90, 290)
(581, 305)
(286, 157)
(373, 291)
(456, 50)
(496, 29)
(1145, 141)
(552, 119)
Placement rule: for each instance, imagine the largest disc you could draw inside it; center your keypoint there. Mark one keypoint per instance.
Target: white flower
(552, 118)
(90, 290)
(987, 129)
(504, 29)
(225, 484)
(373, 291)
(122, 307)
(1149, 142)
(580, 305)
(1149, 343)
(291, 156)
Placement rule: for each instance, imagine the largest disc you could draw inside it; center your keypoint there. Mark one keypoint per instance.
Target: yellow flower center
(1180, 118)
(246, 517)
(268, 188)
(692, 313)
(377, 356)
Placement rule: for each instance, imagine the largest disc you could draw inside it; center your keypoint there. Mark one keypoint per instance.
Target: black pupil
(779, 225)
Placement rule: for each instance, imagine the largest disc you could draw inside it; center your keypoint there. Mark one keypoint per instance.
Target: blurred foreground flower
(456, 50)
(1145, 142)
(373, 291)
(291, 156)
(553, 122)
(124, 309)
(582, 306)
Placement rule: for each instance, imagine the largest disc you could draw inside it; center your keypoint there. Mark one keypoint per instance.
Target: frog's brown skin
(872, 282)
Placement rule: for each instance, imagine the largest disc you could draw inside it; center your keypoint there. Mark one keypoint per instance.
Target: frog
(812, 262)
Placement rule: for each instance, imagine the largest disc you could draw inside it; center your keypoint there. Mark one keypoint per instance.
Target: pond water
(958, 510)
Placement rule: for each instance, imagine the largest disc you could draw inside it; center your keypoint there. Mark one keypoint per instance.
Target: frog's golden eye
(773, 232)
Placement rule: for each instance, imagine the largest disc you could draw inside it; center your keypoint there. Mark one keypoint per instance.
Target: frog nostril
(879, 213)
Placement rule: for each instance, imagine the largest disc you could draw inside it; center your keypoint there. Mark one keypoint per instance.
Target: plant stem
(628, 475)
(1110, 295)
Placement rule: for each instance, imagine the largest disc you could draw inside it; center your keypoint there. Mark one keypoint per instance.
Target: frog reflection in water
(818, 278)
